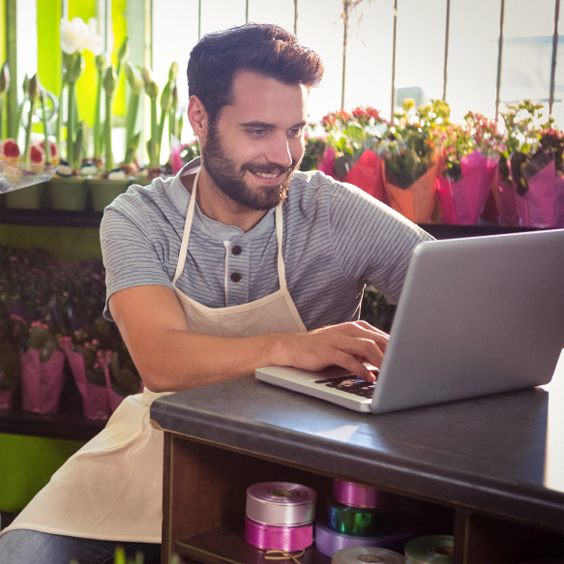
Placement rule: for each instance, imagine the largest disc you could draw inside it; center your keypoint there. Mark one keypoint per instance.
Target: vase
(30, 198)
(95, 399)
(68, 193)
(104, 191)
(42, 382)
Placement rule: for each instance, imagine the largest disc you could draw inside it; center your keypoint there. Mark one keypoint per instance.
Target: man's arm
(171, 358)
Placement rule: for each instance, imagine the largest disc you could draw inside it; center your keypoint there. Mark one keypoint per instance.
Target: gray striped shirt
(336, 240)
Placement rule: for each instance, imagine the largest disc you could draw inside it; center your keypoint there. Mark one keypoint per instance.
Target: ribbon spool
(281, 503)
(436, 549)
(357, 521)
(328, 541)
(357, 495)
(364, 554)
(272, 537)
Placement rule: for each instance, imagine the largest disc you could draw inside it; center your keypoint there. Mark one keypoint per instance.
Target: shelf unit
(477, 469)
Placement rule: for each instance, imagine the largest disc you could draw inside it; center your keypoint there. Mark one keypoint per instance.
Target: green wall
(27, 464)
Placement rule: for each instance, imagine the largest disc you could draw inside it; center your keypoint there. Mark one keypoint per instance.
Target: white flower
(76, 36)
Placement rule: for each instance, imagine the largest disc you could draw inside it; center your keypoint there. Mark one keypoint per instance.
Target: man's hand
(347, 345)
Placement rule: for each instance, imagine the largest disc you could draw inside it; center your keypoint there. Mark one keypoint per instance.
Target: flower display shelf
(92, 219)
(70, 426)
(50, 218)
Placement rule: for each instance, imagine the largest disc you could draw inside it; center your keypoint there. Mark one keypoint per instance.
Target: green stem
(98, 139)
(19, 117)
(1, 117)
(70, 124)
(58, 134)
(131, 119)
(45, 131)
(161, 131)
(172, 123)
(108, 132)
(153, 145)
(28, 128)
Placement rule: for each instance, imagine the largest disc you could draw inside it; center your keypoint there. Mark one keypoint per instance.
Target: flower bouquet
(531, 167)
(29, 285)
(90, 380)
(349, 154)
(469, 168)
(411, 163)
(42, 370)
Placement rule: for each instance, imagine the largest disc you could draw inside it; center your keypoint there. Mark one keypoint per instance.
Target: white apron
(111, 488)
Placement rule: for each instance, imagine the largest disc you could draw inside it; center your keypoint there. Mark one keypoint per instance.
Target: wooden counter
(488, 470)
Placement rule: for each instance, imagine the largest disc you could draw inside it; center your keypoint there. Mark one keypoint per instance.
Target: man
(238, 262)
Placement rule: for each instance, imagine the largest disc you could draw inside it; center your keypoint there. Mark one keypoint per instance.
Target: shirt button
(236, 250)
(235, 277)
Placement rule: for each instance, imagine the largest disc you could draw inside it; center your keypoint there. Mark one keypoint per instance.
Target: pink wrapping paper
(95, 400)
(42, 382)
(559, 202)
(537, 206)
(463, 202)
(366, 173)
(328, 164)
(507, 204)
(175, 158)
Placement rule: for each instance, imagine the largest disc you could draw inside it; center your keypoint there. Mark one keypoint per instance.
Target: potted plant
(68, 190)
(411, 163)
(469, 158)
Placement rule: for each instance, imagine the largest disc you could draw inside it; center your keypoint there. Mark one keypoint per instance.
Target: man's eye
(258, 132)
(295, 132)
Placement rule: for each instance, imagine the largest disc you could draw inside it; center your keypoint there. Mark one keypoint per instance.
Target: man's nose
(279, 150)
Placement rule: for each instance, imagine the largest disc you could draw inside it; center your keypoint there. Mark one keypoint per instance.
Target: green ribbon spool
(358, 521)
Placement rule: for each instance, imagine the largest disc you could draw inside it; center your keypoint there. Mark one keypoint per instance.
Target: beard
(229, 177)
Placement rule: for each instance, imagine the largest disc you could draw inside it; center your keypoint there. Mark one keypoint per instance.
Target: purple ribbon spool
(357, 495)
(270, 537)
(281, 504)
(328, 541)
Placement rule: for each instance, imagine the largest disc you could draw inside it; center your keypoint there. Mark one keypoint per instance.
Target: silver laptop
(477, 316)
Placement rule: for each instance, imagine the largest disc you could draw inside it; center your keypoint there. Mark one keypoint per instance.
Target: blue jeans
(23, 546)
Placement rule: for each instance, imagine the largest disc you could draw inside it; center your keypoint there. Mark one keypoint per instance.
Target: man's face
(256, 144)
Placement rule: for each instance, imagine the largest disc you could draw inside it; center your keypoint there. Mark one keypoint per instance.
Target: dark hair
(266, 49)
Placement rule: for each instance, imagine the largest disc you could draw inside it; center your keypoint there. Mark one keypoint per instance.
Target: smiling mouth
(267, 175)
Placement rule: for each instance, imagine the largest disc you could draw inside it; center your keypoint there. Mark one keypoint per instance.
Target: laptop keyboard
(351, 385)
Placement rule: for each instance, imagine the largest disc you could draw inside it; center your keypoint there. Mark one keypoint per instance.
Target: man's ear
(198, 118)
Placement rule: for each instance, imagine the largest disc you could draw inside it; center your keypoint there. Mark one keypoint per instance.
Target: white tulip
(76, 36)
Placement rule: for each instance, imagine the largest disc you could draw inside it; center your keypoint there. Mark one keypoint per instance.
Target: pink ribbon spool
(270, 537)
(357, 495)
(280, 504)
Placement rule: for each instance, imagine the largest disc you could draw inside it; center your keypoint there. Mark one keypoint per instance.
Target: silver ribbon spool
(281, 503)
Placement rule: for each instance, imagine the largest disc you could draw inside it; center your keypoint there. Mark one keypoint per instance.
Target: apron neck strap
(186, 235)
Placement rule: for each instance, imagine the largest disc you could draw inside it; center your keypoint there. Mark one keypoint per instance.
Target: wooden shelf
(70, 426)
(50, 218)
(220, 545)
(91, 219)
